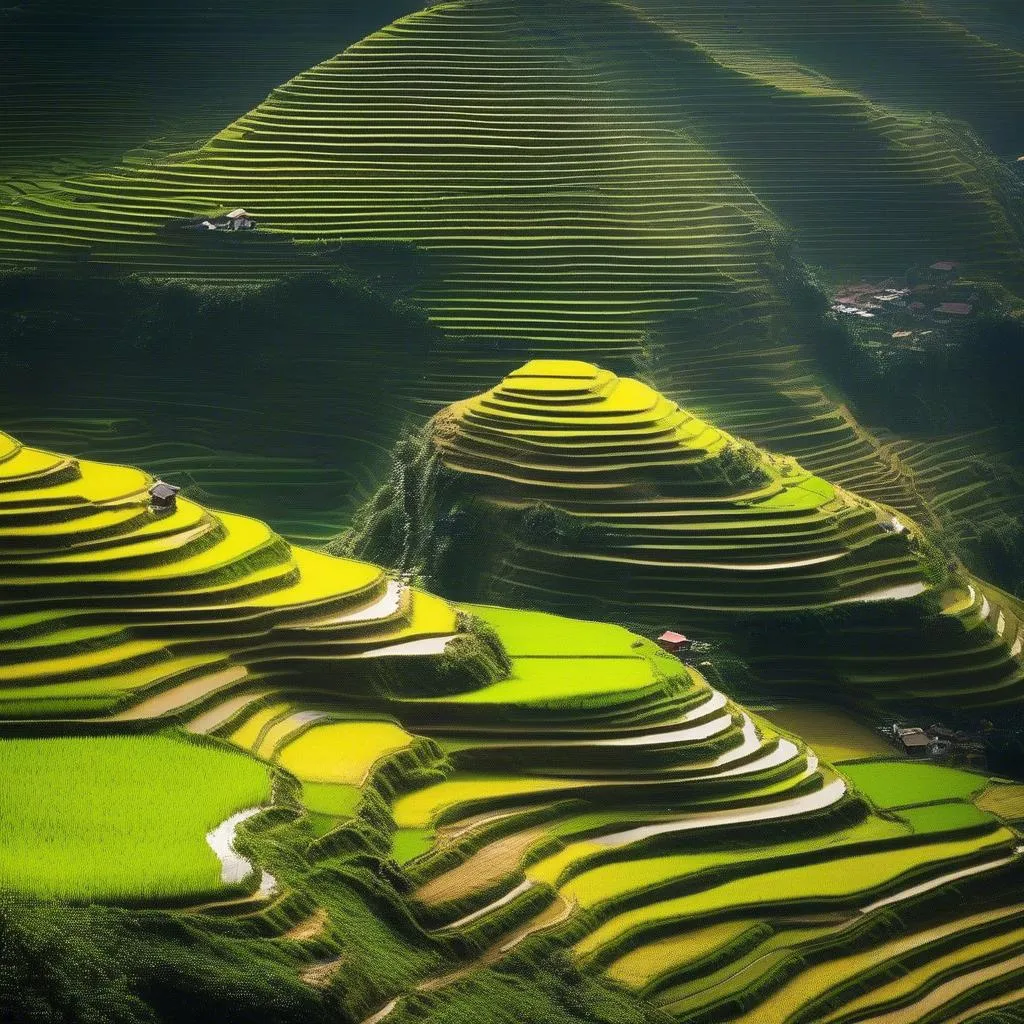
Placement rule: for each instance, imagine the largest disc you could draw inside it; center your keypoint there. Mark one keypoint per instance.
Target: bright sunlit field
(117, 817)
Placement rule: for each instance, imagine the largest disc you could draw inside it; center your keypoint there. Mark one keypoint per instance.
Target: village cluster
(937, 742)
(916, 314)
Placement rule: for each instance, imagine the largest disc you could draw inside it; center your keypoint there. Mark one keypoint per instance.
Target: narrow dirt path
(320, 975)
(183, 695)
(220, 713)
(482, 869)
(313, 926)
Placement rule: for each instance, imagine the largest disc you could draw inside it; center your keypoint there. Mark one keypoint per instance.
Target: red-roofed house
(674, 643)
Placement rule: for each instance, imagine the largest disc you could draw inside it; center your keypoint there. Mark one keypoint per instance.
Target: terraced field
(114, 610)
(147, 80)
(576, 488)
(254, 781)
(521, 780)
(614, 168)
(681, 908)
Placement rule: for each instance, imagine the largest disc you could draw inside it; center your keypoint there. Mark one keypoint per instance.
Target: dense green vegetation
(278, 401)
(245, 777)
(117, 818)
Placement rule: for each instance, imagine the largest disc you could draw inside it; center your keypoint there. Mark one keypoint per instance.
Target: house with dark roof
(163, 497)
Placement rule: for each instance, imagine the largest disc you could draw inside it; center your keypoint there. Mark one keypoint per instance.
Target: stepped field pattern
(589, 247)
(544, 779)
(579, 172)
(567, 487)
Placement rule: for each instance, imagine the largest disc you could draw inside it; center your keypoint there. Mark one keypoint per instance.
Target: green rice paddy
(118, 818)
(644, 205)
(898, 784)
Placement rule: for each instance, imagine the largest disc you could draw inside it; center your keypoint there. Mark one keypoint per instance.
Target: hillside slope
(580, 173)
(566, 486)
(453, 790)
(83, 83)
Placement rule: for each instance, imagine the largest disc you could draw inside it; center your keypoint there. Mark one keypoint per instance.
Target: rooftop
(670, 637)
(162, 490)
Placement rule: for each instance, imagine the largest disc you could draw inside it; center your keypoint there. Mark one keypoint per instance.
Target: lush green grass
(408, 843)
(118, 818)
(331, 798)
(897, 784)
(526, 633)
(939, 817)
(542, 682)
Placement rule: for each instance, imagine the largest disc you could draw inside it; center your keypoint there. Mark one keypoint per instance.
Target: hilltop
(566, 486)
(139, 82)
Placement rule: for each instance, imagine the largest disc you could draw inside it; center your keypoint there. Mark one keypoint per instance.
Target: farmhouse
(914, 741)
(894, 525)
(236, 220)
(163, 497)
(674, 643)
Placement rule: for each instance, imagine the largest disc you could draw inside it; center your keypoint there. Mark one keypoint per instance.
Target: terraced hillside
(450, 790)
(81, 84)
(917, 56)
(280, 402)
(575, 488)
(113, 609)
(594, 796)
(579, 172)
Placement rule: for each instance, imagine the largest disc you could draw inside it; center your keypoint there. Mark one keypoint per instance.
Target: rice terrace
(512, 512)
